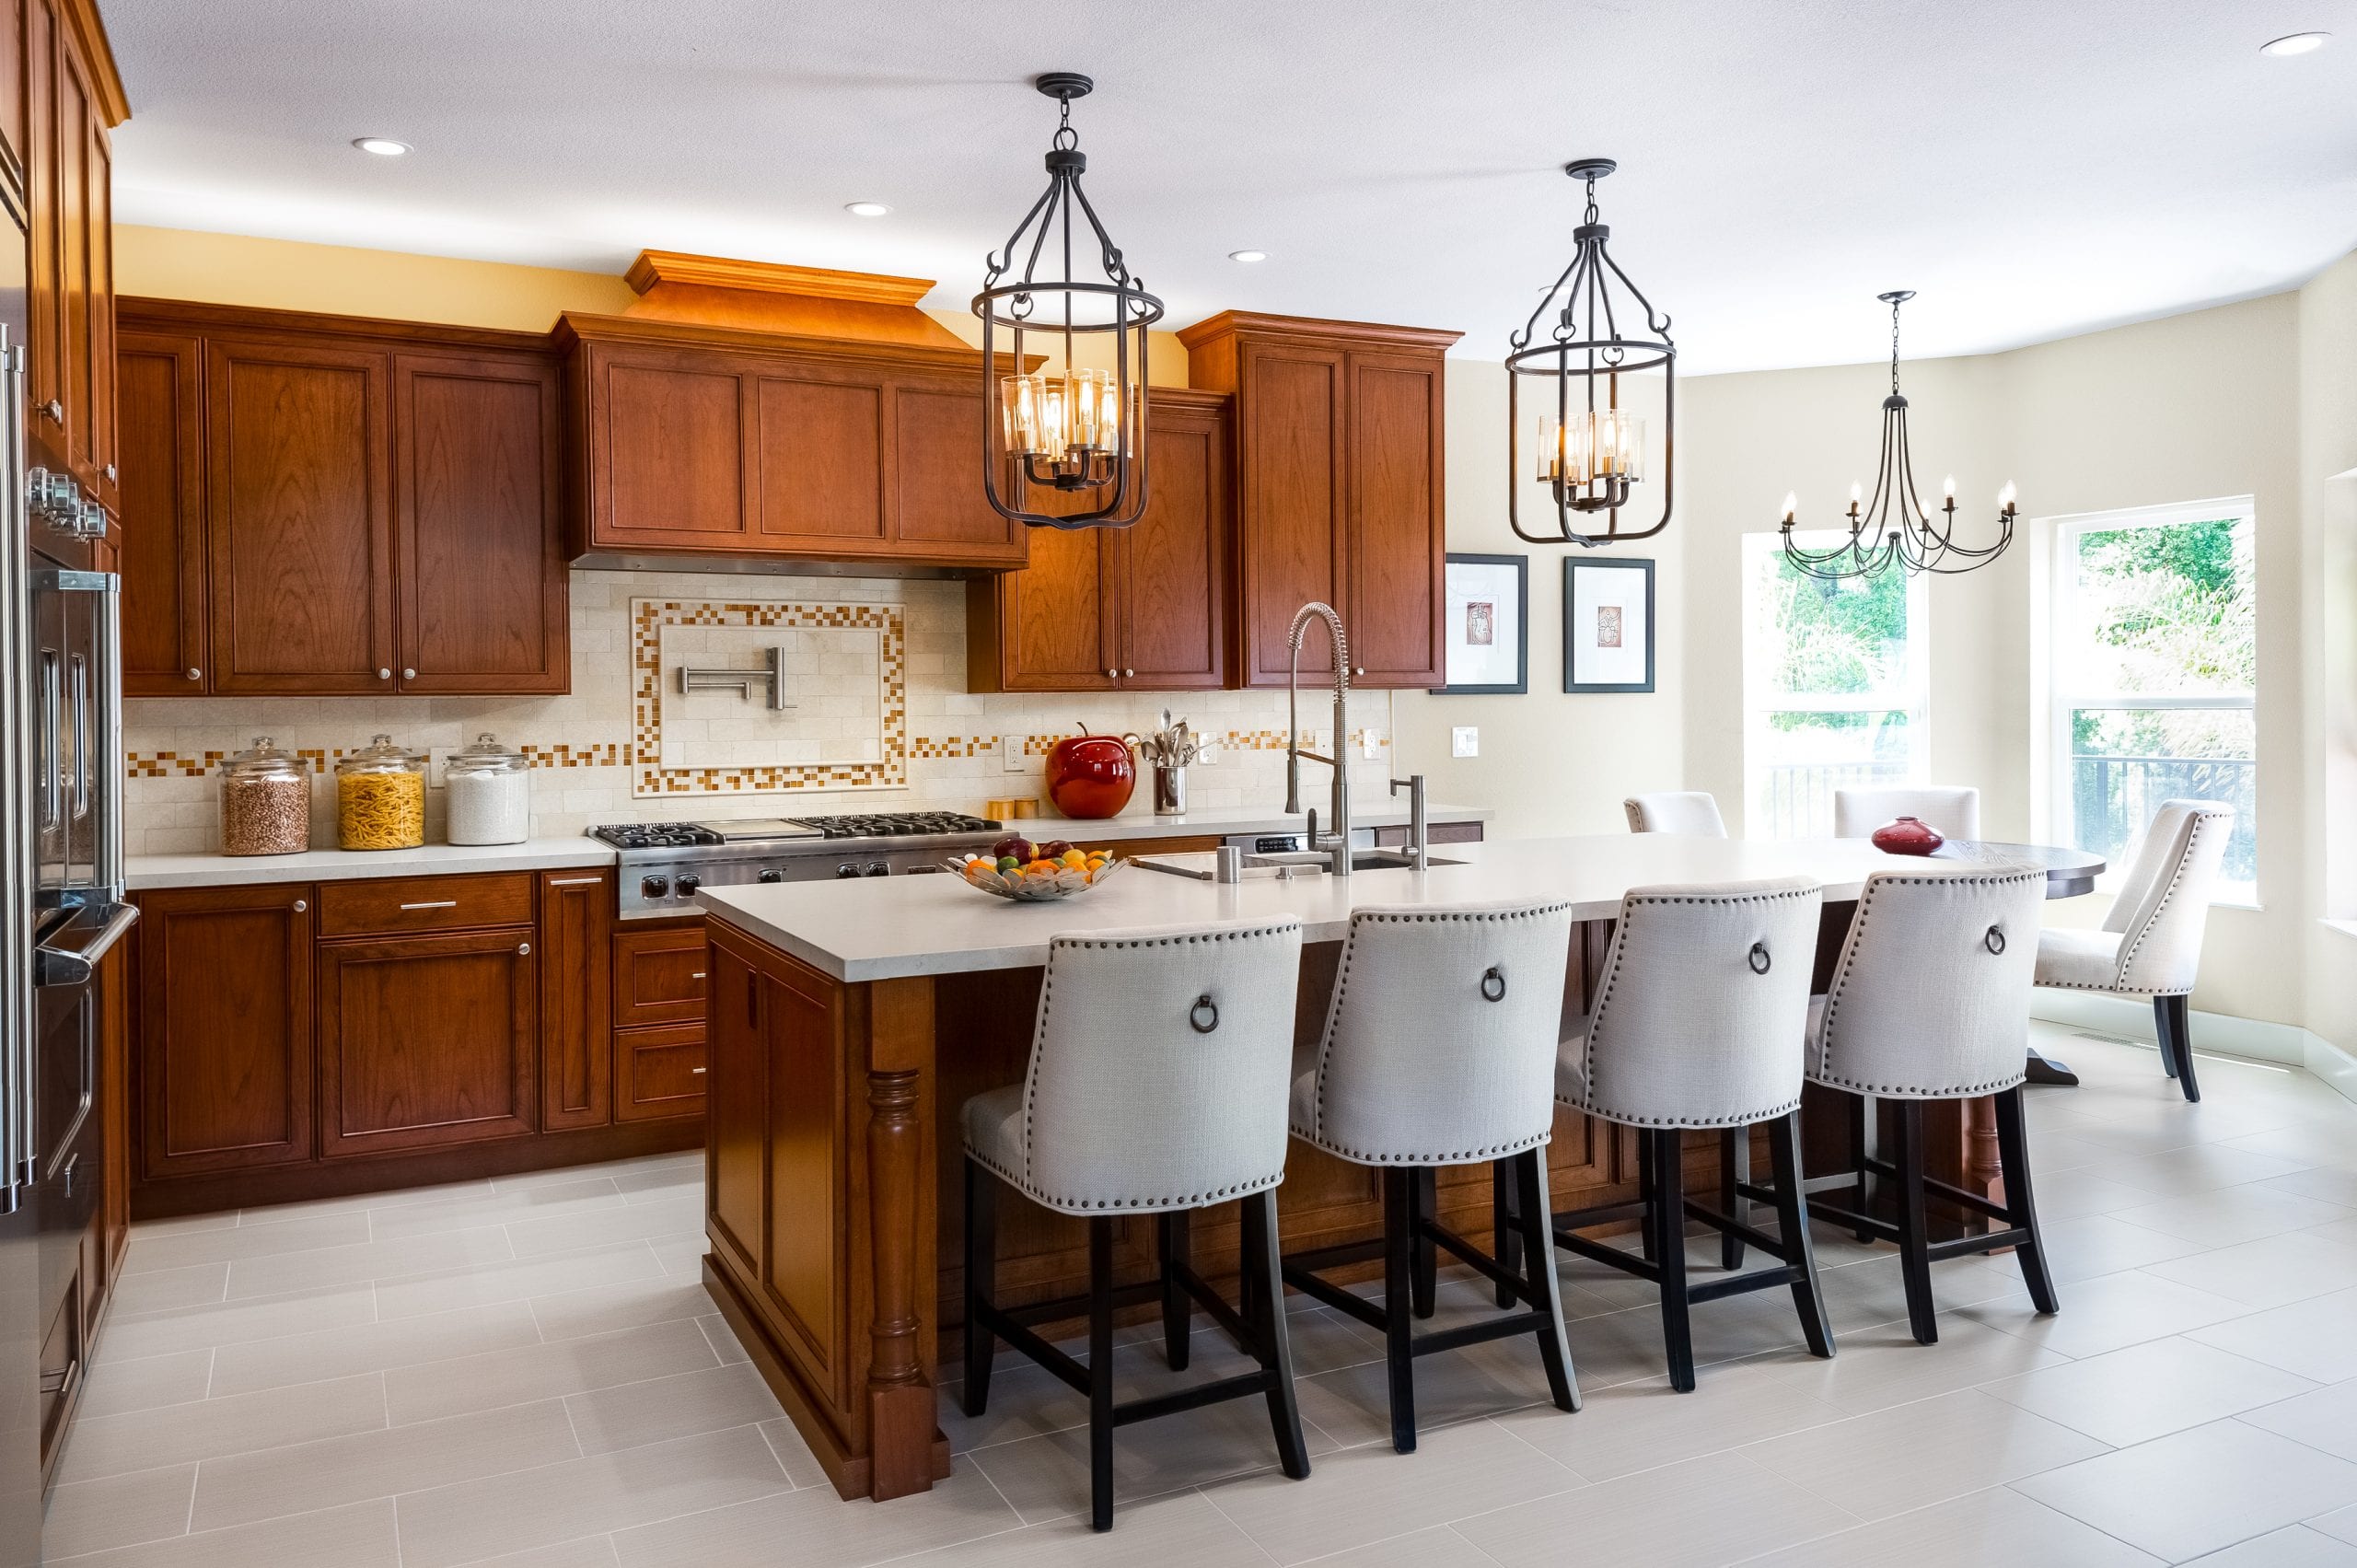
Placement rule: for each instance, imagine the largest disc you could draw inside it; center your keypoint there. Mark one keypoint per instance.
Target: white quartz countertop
(886, 928)
(1234, 820)
(149, 871)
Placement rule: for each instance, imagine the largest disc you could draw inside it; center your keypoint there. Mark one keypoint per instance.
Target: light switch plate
(1465, 741)
(1011, 750)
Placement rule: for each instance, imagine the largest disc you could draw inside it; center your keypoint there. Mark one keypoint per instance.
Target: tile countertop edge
(147, 873)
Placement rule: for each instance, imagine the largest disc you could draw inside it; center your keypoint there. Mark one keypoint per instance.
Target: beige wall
(2327, 359)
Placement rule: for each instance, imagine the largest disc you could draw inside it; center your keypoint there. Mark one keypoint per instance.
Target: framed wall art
(1486, 624)
(1608, 625)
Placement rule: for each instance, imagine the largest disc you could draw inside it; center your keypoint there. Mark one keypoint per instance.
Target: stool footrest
(1483, 1332)
(1743, 1283)
(1241, 1386)
(1479, 1261)
(1065, 1306)
(1987, 1241)
(1062, 1367)
(1972, 1201)
(1327, 1294)
(1611, 1256)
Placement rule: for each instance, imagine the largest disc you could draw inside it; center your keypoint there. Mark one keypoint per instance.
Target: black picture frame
(1520, 685)
(1572, 643)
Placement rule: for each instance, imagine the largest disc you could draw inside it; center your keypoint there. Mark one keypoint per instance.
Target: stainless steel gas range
(663, 864)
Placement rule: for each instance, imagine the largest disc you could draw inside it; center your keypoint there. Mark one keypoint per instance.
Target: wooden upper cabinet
(14, 126)
(939, 507)
(1051, 626)
(299, 518)
(479, 525)
(427, 1040)
(665, 449)
(1339, 489)
(164, 630)
(817, 442)
(70, 96)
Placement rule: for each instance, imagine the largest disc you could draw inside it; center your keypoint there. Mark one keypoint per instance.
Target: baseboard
(2253, 1038)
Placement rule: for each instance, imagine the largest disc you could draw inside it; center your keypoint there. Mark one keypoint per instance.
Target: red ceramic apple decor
(1091, 775)
(1909, 835)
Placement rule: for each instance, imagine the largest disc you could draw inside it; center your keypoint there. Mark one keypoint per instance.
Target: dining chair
(1953, 809)
(1930, 1002)
(1439, 1049)
(1688, 811)
(1157, 1085)
(2149, 944)
(1699, 1023)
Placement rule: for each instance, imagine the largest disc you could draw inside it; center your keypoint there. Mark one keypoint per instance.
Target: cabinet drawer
(659, 975)
(402, 904)
(658, 1072)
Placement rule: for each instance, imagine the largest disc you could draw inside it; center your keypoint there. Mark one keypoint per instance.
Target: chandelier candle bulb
(1792, 507)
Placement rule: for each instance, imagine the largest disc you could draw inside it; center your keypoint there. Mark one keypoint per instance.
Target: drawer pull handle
(437, 904)
(698, 975)
(695, 1072)
(573, 882)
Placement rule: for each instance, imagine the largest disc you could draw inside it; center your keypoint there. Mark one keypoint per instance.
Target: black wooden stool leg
(1426, 1184)
(1914, 1232)
(1398, 1259)
(981, 1284)
(2179, 1012)
(1505, 1225)
(1272, 1348)
(1792, 1225)
(1529, 1172)
(1864, 1133)
(1100, 1372)
(2021, 1207)
(2160, 1032)
(1648, 1190)
(1735, 1172)
(1170, 1250)
(1668, 1224)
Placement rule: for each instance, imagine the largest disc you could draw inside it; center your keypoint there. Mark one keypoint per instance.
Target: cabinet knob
(1127, 673)
(1359, 670)
(384, 675)
(109, 472)
(525, 948)
(1112, 675)
(408, 675)
(301, 904)
(194, 673)
(53, 411)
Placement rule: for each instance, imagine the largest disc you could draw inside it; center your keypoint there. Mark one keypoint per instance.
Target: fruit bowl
(1018, 870)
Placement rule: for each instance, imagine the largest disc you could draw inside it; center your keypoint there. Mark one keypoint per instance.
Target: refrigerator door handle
(71, 955)
(78, 670)
(51, 766)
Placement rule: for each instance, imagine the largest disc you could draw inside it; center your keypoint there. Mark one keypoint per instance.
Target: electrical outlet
(1370, 743)
(1011, 753)
(1465, 741)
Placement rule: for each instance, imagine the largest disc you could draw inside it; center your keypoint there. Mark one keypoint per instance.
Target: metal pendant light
(1892, 528)
(1064, 429)
(1590, 447)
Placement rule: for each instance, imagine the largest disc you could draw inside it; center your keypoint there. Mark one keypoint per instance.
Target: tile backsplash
(595, 758)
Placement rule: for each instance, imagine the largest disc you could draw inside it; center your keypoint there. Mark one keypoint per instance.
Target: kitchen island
(851, 1021)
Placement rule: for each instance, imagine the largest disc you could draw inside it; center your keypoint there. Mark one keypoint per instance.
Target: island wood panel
(479, 525)
(224, 1028)
(427, 1040)
(164, 630)
(576, 909)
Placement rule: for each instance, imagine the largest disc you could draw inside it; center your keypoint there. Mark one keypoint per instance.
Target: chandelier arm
(1521, 339)
(1115, 268)
(1654, 322)
(998, 264)
(1921, 519)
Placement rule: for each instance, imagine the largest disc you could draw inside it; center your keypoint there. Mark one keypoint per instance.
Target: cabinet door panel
(1056, 615)
(44, 274)
(223, 1029)
(737, 1126)
(13, 123)
(576, 1000)
(671, 441)
(298, 518)
(105, 446)
(163, 518)
(479, 526)
(1172, 593)
(938, 506)
(803, 1278)
(820, 446)
(77, 375)
(658, 1072)
(1394, 548)
(427, 1040)
(1292, 435)
(660, 976)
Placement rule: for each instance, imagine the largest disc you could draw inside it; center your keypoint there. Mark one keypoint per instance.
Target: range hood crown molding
(780, 300)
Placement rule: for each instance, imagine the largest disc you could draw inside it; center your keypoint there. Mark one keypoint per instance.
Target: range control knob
(772, 875)
(655, 887)
(846, 871)
(688, 883)
(876, 868)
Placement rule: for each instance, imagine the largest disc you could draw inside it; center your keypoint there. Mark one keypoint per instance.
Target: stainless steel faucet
(1418, 839)
(1341, 823)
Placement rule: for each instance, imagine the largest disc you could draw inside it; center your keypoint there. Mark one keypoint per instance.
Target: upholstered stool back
(1439, 1046)
(1931, 997)
(2163, 905)
(1953, 811)
(1688, 811)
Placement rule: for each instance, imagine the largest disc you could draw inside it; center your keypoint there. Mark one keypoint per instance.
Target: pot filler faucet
(1339, 847)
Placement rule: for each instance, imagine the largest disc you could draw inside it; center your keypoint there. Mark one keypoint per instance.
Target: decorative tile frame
(649, 777)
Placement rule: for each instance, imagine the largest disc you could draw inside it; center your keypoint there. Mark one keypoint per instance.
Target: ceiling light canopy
(1892, 528)
(865, 209)
(1064, 436)
(1591, 448)
(2295, 44)
(383, 147)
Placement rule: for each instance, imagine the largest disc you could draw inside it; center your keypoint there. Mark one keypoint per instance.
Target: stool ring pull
(1760, 962)
(1203, 1015)
(1996, 940)
(1494, 984)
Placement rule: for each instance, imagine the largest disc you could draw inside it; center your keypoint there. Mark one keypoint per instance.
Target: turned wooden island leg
(900, 1225)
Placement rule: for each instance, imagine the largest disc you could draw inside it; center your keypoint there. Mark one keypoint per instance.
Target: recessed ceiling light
(1247, 255)
(383, 147)
(2294, 43)
(865, 209)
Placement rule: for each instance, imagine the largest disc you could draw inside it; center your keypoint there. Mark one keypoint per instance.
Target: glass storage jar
(380, 798)
(488, 790)
(266, 801)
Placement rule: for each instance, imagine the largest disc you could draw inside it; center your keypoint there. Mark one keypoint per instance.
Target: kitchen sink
(1361, 860)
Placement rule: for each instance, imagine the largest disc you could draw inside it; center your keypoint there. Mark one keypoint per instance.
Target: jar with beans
(489, 792)
(266, 801)
(380, 798)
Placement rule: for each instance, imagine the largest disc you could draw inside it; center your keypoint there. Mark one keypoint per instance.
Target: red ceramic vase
(1091, 775)
(1909, 835)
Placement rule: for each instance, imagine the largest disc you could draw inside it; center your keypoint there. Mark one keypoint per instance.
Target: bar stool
(1690, 811)
(1930, 1000)
(1705, 991)
(1437, 1051)
(1953, 809)
(1157, 1084)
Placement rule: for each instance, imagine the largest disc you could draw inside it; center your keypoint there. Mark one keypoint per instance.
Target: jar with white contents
(488, 791)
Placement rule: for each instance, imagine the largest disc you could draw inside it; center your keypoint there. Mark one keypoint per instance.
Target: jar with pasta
(380, 798)
(488, 790)
(265, 802)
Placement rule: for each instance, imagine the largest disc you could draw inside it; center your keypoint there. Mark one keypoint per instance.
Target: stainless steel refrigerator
(61, 833)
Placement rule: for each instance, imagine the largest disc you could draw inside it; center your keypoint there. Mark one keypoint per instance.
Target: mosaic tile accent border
(648, 619)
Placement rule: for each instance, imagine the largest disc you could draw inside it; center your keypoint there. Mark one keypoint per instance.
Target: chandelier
(1062, 435)
(1590, 450)
(1892, 528)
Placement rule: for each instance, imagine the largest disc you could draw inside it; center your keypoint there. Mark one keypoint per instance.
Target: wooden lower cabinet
(658, 1072)
(659, 972)
(427, 1040)
(576, 1002)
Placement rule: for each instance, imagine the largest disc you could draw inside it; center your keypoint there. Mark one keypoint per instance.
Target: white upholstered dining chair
(1953, 809)
(2150, 945)
(1688, 811)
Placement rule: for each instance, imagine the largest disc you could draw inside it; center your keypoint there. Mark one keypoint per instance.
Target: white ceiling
(2033, 167)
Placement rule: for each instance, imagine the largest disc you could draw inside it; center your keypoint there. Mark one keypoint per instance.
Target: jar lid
(381, 756)
(486, 756)
(264, 756)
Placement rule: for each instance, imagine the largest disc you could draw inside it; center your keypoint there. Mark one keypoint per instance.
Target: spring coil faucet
(1316, 610)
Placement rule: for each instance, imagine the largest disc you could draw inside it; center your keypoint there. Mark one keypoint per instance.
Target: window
(1833, 686)
(2152, 655)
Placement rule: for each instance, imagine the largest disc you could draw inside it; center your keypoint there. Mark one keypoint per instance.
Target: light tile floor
(526, 1373)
